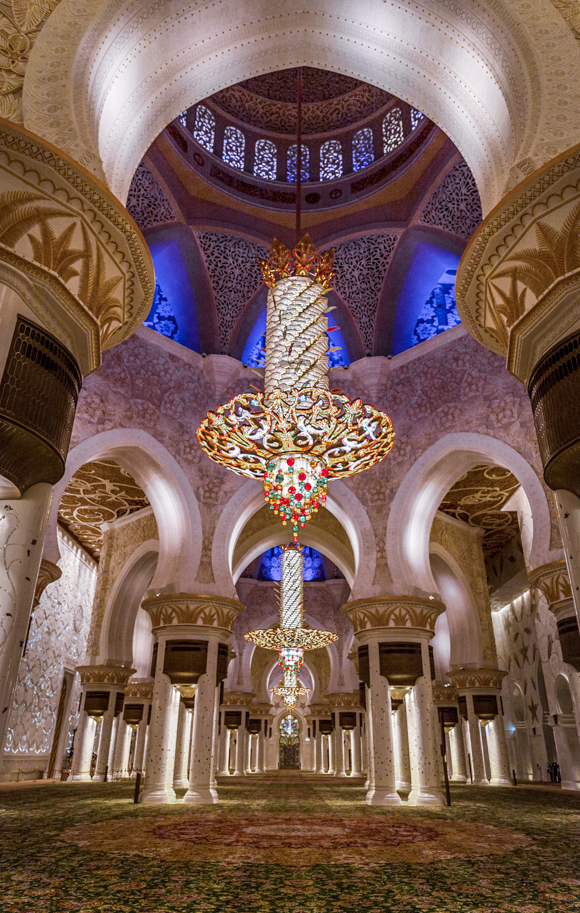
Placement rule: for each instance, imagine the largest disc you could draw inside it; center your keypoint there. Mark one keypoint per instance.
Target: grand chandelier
(298, 434)
(291, 638)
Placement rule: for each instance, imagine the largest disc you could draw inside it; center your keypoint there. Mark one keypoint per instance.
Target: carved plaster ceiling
(98, 492)
(478, 499)
(330, 101)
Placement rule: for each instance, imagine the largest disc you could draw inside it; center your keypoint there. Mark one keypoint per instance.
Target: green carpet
(287, 845)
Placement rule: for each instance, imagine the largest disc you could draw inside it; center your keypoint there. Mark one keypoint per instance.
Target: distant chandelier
(296, 435)
(291, 638)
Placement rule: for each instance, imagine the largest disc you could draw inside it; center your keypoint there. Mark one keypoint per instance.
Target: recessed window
(292, 164)
(265, 160)
(330, 160)
(416, 118)
(234, 148)
(362, 149)
(204, 129)
(393, 133)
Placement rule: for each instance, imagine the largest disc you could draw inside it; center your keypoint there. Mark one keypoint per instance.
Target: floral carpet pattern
(287, 845)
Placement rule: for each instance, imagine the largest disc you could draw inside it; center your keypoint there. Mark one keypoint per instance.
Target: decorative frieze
(343, 700)
(140, 690)
(105, 675)
(393, 612)
(238, 699)
(189, 609)
(477, 679)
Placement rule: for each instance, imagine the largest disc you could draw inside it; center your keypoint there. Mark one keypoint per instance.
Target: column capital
(105, 675)
(444, 694)
(399, 614)
(238, 699)
(316, 710)
(260, 709)
(101, 241)
(476, 681)
(337, 701)
(48, 572)
(140, 690)
(169, 610)
(554, 583)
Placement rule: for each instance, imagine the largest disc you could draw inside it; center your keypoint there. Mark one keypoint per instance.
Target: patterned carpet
(293, 844)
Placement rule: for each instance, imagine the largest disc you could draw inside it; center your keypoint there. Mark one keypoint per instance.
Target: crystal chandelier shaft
(296, 340)
(291, 589)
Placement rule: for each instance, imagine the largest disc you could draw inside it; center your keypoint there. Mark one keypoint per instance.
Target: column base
(157, 795)
(181, 784)
(238, 773)
(100, 778)
(478, 783)
(433, 798)
(343, 773)
(356, 773)
(205, 796)
(570, 784)
(403, 785)
(458, 779)
(500, 781)
(382, 796)
(80, 778)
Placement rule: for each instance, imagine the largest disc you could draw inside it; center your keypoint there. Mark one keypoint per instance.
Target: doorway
(289, 742)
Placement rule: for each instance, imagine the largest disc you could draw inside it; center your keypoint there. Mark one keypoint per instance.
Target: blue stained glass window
(416, 118)
(312, 567)
(393, 133)
(330, 160)
(265, 159)
(161, 317)
(362, 149)
(439, 313)
(292, 163)
(204, 128)
(234, 147)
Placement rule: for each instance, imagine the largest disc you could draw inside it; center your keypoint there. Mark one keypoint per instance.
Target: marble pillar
(200, 790)
(224, 748)
(457, 745)
(160, 759)
(471, 683)
(403, 765)
(382, 786)
(356, 770)
(83, 749)
(182, 748)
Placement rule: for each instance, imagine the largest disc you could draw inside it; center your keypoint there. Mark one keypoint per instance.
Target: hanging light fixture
(291, 638)
(298, 434)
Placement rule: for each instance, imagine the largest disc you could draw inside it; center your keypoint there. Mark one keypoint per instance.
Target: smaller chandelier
(298, 434)
(291, 638)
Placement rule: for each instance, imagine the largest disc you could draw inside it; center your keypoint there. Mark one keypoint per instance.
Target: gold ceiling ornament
(478, 498)
(297, 435)
(100, 491)
(291, 638)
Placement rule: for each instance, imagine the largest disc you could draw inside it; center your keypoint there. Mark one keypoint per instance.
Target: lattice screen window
(265, 159)
(292, 164)
(234, 147)
(416, 118)
(393, 133)
(362, 149)
(204, 129)
(330, 160)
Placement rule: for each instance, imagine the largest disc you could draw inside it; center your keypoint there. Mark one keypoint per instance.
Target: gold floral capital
(393, 612)
(316, 710)
(238, 699)
(63, 230)
(477, 679)
(141, 690)
(190, 609)
(444, 693)
(517, 282)
(554, 583)
(105, 675)
(344, 700)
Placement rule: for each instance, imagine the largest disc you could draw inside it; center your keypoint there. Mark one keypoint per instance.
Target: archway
(168, 490)
(119, 79)
(422, 490)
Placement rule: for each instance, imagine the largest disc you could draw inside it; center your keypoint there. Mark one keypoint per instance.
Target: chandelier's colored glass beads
(295, 487)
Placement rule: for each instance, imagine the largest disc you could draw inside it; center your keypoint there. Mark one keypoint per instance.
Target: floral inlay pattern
(478, 498)
(98, 492)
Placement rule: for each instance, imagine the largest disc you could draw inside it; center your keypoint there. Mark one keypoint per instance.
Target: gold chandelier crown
(303, 260)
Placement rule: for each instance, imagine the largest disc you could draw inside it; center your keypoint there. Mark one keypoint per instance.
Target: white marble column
(403, 765)
(319, 750)
(83, 748)
(122, 748)
(341, 759)
(160, 758)
(428, 791)
(201, 791)
(225, 736)
(498, 753)
(356, 748)
(182, 746)
(239, 770)
(139, 756)
(457, 745)
(382, 785)
(475, 745)
(22, 523)
(106, 741)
